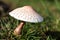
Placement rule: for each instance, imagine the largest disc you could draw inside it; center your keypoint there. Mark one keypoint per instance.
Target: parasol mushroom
(25, 14)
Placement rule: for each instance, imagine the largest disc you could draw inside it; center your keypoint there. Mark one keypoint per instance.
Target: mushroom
(25, 14)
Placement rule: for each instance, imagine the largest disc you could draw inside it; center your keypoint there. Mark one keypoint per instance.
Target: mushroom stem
(17, 31)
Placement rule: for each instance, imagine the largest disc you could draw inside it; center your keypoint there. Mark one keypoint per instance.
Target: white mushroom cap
(26, 14)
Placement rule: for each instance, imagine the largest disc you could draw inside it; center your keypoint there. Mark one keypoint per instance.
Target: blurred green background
(49, 29)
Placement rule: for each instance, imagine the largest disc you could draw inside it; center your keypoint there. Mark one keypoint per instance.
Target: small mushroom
(25, 14)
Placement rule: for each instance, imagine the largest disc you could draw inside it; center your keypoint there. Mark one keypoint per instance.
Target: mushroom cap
(26, 14)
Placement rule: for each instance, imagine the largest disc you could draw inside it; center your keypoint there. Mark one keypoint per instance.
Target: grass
(49, 29)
